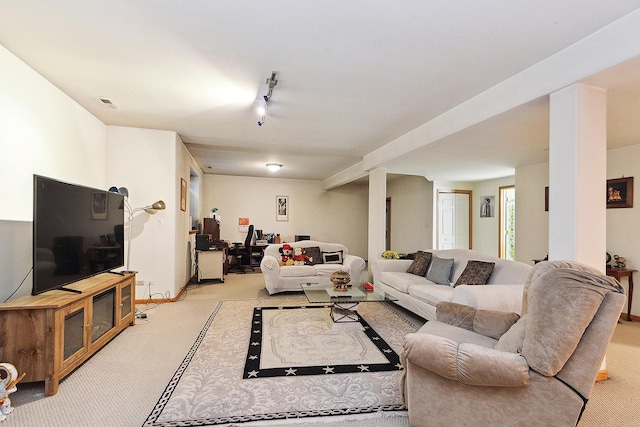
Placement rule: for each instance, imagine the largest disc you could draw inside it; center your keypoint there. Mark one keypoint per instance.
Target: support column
(577, 175)
(377, 217)
(578, 178)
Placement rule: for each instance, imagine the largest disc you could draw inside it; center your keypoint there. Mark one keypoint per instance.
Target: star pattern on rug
(363, 368)
(290, 371)
(253, 374)
(329, 370)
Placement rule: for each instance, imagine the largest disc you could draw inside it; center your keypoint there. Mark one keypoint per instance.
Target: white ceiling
(353, 76)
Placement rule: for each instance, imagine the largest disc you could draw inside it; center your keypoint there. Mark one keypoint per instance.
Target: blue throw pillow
(440, 270)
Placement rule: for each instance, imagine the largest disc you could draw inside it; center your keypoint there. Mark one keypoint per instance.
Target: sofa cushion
(332, 257)
(297, 271)
(328, 269)
(476, 273)
(314, 255)
(513, 339)
(440, 270)
(401, 281)
(431, 293)
(420, 263)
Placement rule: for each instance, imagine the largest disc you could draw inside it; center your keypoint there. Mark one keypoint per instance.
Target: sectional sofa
(415, 292)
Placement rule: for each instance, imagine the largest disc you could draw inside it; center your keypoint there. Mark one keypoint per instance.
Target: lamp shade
(157, 206)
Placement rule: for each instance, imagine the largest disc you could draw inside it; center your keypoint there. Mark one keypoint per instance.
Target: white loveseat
(503, 291)
(289, 277)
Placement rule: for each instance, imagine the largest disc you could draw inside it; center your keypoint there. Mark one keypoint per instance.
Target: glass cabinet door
(103, 309)
(74, 332)
(125, 301)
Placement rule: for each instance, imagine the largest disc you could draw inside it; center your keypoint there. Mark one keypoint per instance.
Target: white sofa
(289, 277)
(503, 291)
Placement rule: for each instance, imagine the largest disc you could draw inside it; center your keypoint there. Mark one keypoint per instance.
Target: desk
(222, 245)
(618, 273)
(210, 265)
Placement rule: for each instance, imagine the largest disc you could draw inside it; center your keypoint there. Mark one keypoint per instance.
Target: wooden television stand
(49, 335)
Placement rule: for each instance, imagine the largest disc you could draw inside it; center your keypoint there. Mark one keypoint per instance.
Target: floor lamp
(151, 209)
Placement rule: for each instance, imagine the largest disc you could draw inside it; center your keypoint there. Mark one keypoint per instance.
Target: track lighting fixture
(273, 167)
(271, 82)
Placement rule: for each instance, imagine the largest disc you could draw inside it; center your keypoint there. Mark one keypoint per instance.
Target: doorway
(507, 229)
(454, 219)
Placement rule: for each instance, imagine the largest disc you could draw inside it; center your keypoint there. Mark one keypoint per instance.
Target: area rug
(212, 386)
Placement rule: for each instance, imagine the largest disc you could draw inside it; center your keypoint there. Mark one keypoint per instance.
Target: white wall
(144, 161)
(485, 230)
(411, 213)
(44, 132)
(532, 222)
(338, 215)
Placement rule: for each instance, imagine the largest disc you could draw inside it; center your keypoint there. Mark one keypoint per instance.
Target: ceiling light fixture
(274, 167)
(262, 110)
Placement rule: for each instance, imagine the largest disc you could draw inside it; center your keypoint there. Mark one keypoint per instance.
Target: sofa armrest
(490, 297)
(396, 265)
(489, 323)
(354, 263)
(271, 272)
(466, 363)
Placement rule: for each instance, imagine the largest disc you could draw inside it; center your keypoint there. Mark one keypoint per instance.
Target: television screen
(77, 232)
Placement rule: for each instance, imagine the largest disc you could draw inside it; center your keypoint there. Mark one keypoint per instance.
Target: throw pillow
(440, 270)
(332, 257)
(314, 255)
(476, 273)
(420, 263)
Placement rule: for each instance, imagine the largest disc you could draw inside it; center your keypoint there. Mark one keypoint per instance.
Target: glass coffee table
(344, 304)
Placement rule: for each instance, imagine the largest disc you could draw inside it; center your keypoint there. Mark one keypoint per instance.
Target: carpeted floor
(122, 383)
(279, 362)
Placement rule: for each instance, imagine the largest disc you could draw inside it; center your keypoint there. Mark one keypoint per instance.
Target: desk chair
(243, 253)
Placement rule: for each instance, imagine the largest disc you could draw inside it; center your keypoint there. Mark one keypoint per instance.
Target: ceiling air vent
(108, 104)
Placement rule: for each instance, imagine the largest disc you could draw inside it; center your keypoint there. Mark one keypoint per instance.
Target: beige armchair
(487, 368)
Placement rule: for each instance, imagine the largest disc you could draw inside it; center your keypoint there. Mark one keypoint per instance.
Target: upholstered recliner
(478, 367)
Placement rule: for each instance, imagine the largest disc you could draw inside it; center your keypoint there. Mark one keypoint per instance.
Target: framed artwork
(546, 199)
(183, 194)
(620, 193)
(282, 208)
(487, 206)
(99, 205)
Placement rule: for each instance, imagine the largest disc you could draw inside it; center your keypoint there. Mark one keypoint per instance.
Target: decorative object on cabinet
(621, 262)
(620, 193)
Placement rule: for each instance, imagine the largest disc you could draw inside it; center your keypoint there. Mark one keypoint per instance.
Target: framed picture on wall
(620, 193)
(282, 208)
(183, 194)
(486, 206)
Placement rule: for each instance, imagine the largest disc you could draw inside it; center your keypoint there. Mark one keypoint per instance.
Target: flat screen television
(78, 232)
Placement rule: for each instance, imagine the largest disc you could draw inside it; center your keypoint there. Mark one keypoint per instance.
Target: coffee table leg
(344, 312)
